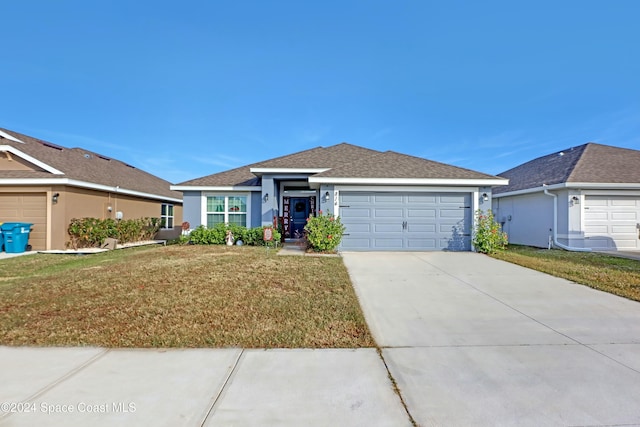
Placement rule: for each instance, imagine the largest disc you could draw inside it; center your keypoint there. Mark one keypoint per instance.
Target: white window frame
(204, 213)
(167, 216)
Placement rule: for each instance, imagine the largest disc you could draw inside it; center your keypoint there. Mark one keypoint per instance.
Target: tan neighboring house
(48, 185)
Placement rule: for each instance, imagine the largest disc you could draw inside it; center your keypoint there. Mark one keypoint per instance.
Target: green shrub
(488, 238)
(91, 232)
(217, 234)
(324, 232)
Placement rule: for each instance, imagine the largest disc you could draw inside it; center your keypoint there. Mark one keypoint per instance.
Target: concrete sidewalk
(200, 387)
(471, 340)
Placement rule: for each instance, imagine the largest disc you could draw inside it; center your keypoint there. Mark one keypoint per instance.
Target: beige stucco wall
(76, 202)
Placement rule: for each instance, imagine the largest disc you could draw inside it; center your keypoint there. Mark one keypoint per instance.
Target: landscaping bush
(91, 232)
(324, 232)
(216, 235)
(488, 238)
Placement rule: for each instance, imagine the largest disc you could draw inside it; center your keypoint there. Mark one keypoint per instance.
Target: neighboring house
(48, 185)
(386, 200)
(584, 197)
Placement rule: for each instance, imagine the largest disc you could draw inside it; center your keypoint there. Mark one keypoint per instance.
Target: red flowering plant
(324, 232)
(488, 238)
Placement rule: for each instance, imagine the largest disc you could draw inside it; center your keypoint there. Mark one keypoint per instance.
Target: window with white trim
(166, 216)
(227, 209)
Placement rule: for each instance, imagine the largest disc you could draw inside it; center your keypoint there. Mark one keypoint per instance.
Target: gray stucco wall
(527, 219)
(192, 207)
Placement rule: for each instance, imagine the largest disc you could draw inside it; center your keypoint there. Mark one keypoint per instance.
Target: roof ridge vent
(50, 145)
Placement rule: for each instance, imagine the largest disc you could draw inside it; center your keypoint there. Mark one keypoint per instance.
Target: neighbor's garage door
(405, 221)
(27, 207)
(611, 222)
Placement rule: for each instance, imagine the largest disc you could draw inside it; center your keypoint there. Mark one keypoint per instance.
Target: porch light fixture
(54, 198)
(266, 198)
(326, 196)
(485, 197)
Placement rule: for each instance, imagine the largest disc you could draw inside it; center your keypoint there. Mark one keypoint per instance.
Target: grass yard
(618, 276)
(180, 296)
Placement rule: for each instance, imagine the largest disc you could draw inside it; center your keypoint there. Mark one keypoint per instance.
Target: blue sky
(186, 89)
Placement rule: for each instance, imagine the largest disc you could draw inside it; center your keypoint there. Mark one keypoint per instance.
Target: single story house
(48, 185)
(582, 197)
(386, 200)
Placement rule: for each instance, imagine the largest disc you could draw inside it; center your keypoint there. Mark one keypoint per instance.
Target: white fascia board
(406, 188)
(32, 160)
(215, 188)
(572, 185)
(603, 185)
(410, 181)
(262, 171)
(83, 184)
(10, 137)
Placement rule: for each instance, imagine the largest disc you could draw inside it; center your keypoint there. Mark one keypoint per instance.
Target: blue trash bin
(1, 241)
(16, 236)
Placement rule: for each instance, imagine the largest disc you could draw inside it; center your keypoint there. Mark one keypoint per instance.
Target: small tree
(488, 238)
(324, 232)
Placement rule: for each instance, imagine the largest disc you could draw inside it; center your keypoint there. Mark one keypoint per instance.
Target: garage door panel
(421, 213)
(355, 198)
(623, 202)
(452, 213)
(623, 216)
(388, 243)
(387, 228)
(423, 244)
(387, 213)
(387, 199)
(623, 229)
(611, 222)
(356, 213)
(406, 221)
(421, 199)
(356, 243)
(455, 199)
(27, 207)
(360, 227)
(421, 228)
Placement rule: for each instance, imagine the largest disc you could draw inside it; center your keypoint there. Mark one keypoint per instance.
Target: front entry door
(299, 215)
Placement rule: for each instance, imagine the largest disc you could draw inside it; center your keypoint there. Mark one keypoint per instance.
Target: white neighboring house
(583, 197)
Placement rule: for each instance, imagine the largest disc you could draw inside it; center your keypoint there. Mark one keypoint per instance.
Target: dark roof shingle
(589, 163)
(86, 166)
(396, 165)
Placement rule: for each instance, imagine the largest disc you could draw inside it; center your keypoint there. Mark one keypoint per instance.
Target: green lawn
(180, 296)
(618, 276)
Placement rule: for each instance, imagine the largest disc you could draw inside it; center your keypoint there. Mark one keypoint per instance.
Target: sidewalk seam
(396, 389)
(222, 389)
(63, 378)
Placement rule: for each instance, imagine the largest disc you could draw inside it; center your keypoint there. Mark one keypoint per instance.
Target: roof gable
(313, 158)
(391, 164)
(84, 166)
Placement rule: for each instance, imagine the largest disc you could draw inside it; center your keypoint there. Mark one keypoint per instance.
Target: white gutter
(83, 184)
(409, 181)
(555, 225)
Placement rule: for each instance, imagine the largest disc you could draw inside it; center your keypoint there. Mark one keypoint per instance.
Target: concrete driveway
(475, 341)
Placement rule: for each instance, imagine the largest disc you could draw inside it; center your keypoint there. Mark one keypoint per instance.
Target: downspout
(555, 225)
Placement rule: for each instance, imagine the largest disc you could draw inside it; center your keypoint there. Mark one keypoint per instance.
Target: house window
(166, 216)
(226, 210)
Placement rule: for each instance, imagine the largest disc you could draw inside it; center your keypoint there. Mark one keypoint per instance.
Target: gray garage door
(406, 221)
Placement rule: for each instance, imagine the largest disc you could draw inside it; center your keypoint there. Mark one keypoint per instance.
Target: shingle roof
(589, 163)
(86, 166)
(344, 161)
(318, 157)
(396, 165)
